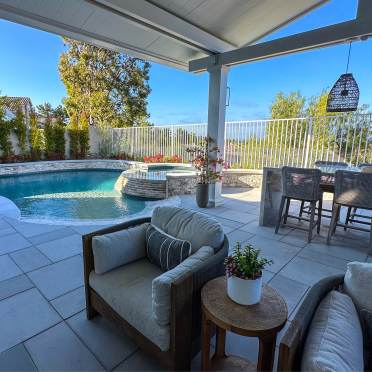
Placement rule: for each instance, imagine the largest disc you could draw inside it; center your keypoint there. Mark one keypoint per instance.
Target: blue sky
(29, 60)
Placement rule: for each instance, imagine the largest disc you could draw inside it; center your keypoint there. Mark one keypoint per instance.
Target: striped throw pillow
(164, 250)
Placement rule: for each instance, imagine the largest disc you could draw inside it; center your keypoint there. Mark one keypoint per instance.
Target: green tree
(60, 113)
(36, 138)
(287, 106)
(73, 132)
(110, 87)
(49, 138)
(45, 110)
(59, 139)
(83, 135)
(20, 130)
(5, 130)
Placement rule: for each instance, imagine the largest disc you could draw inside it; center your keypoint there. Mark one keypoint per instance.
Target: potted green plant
(244, 274)
(208, 162)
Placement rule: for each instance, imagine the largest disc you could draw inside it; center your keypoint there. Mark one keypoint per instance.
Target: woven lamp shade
(344, 96)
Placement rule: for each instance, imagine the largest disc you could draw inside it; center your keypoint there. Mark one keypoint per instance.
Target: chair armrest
(293, 341)
(87, 243)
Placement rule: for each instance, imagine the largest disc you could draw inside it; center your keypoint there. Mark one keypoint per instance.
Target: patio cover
(171, 32)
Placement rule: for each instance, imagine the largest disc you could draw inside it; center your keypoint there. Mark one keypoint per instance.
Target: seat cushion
(161, 285)
(335, 340)
(198, 228)
(164, 250)
(128, 291)
(358, 284)
(119, 248)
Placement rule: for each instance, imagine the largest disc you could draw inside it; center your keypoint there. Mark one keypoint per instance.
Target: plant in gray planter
(244, 274)
(208, 163)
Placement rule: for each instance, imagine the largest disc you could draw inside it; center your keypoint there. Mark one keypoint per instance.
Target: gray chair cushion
(198, 228)
(164, 250)
(128, 291)
(161, 285)
(119, 248)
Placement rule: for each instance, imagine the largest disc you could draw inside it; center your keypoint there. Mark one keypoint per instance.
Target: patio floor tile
(32, 229)
(343, 250)
(12, 242)
(14, 285)
(238, 216)
(71, 303)
(323, 258)
(59, 278)
(30, 259)
(245, 347)
(110, 345)
(264, 231)
(8, 268)
(23, 316)
(279, 252)
(238, 236)
(52, 235)
(6, 231)
(140, 361)
(59, 349)
(82, 230)
(308, 272)
(291, 290)
(16, 359)
(59, 249)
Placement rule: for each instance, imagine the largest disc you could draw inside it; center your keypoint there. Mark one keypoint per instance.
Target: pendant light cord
(348, 58)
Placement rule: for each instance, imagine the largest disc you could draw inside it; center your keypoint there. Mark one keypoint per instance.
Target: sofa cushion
(164, 250)
(335, 340)
(198, 228)
(161, 285)
(358, 284)
(128, 291)
(119, 248)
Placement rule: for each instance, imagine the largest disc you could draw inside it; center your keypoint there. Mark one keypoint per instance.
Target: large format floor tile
(12, 242)
(24, 315)
(59, 349)
(59, 249)
(308, 272)
(32, 229)
(51, 235)
(16, 359)
(14, 285)
(71, 303)
(59, 278)
(109, 344)
(30, 259)
(8, 268)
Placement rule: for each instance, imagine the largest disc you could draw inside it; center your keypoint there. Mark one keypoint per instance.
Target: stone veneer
(242, 178)
(50, 166)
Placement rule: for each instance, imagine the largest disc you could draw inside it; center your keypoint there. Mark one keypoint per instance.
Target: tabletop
(268, 316)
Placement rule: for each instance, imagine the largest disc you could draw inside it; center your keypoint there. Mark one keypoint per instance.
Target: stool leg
(332, 227)
(301, 209)
(320, 207)
(370, 242)
(312, 216)
(280, 214)
(286, 211)
(347, 217)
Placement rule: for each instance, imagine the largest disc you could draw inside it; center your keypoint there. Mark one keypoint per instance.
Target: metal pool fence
(259, 143)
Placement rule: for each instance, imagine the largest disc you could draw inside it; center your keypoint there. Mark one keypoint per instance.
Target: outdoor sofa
(159, 310)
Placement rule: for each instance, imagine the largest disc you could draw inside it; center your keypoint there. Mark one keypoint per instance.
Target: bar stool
(301, 184)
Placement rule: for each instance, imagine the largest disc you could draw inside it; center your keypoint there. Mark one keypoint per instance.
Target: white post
(216, 120)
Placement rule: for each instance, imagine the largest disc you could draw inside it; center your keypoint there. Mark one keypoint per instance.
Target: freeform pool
(82, 195)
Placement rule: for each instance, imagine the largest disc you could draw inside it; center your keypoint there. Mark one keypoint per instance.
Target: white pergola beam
(152, 17)
(360, 28)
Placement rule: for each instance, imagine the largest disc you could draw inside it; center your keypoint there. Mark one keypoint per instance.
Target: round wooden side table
(263, 320)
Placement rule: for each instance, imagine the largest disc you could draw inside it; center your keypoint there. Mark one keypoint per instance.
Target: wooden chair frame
(185, 321)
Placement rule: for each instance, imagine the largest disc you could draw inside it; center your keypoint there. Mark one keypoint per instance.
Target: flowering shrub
(159, 158)
(245, 264)
(207, 161)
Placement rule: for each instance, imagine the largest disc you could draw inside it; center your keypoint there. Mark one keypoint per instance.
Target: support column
(216, 120)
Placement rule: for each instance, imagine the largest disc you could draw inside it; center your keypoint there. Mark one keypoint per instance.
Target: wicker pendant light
(344, 96)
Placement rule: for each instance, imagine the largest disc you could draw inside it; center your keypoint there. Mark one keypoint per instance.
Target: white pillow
(358, 284)
(119, 248)
(335, 339)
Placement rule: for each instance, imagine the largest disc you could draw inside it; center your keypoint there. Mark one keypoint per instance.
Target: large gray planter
(202, 195)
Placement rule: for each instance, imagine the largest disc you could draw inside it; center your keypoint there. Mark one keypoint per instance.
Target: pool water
(70, 195)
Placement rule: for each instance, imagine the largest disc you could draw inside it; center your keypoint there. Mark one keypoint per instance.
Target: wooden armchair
(185, 320)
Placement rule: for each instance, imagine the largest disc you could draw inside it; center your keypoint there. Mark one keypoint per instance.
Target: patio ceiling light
(344, 95)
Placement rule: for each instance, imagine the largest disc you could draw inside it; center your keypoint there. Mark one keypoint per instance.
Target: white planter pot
(244, 291)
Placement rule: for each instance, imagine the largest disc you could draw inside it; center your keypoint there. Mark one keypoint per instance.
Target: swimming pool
(72, 195)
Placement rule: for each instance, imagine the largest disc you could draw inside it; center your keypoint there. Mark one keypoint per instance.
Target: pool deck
(42, 319)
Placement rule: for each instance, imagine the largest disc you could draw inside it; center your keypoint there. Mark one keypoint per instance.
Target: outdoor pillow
(335, 339)
(161, 285)
(197, 228)
(164, 250)
(358, 284)
(119, 248)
